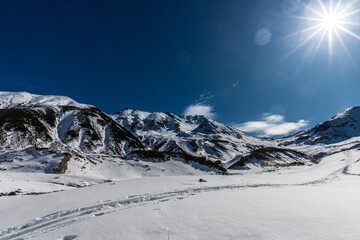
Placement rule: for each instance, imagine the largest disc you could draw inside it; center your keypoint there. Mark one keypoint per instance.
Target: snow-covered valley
(312, 202)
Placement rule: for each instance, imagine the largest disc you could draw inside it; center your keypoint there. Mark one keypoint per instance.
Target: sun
(328, 21)
(331, 22)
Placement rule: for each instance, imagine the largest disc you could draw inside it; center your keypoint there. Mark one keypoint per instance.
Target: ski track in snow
(350, 160)
(60, 219)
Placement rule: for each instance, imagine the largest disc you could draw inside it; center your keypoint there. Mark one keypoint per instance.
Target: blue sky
(226, 59)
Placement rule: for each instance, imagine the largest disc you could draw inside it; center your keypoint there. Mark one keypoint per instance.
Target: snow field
(312, 202)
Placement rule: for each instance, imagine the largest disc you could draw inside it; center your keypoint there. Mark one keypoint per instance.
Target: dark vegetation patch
(172, 146)
(71, 134)
(269, 154)
(150, 154)
(63, 165)
(279, 165)
(9, 194)
(323, 127)
(13, 119)
(194, 145)
(14, 193)
(49, 115)
(163, 156)
(157, 147)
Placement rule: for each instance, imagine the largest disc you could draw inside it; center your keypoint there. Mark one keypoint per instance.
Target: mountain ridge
(196, 135)
(340, 132)
(25, 99)
(50, 124)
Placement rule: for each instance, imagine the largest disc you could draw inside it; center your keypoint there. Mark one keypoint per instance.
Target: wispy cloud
(272, 125)
(201, 106)
(205, 97)
(200, 109)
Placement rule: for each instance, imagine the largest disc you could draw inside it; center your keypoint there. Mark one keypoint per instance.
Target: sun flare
(328, 21)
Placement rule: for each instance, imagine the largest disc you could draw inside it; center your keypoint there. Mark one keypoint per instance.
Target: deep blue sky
(163, 55)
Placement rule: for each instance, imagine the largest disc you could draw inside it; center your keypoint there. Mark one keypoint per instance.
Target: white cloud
(200, 109)
(272, 125)
(273, 118)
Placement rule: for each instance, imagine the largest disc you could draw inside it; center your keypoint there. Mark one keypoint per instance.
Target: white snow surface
(31, 171)
(25, 99)
(321, 202)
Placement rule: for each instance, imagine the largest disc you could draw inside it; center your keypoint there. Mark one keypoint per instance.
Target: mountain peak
(353, 113)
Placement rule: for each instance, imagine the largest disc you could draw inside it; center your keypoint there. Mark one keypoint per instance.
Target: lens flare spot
(263, 36)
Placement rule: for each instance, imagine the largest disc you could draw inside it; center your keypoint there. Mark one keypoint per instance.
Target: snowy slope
(37, 171)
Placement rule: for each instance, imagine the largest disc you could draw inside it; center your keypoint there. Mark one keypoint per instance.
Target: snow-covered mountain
(55, 134)
(340, 133)
(60, 123)
(196, 135)
(203, 137)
